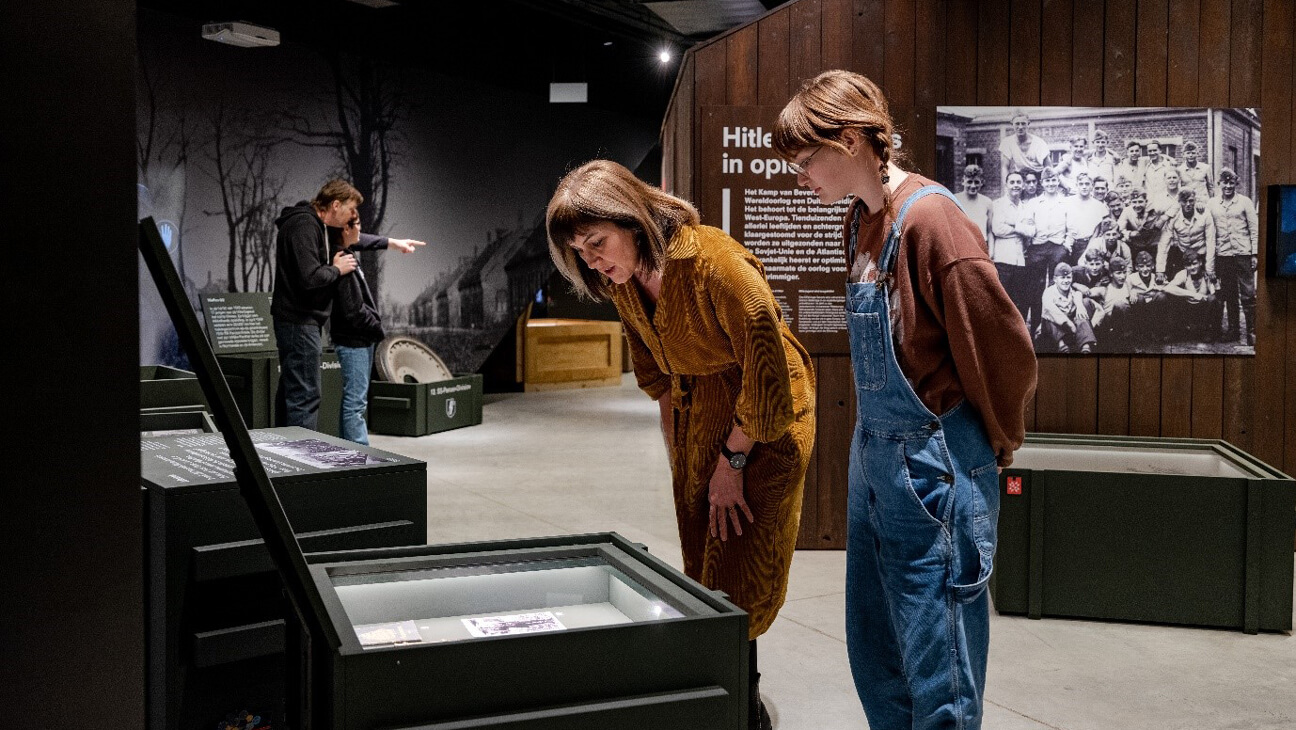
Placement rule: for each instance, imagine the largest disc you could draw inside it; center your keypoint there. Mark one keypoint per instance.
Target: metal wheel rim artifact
(398, 357)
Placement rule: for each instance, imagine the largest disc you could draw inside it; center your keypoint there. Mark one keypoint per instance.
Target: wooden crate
(571, 353)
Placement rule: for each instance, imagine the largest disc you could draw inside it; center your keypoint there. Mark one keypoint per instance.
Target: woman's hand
(726, 496)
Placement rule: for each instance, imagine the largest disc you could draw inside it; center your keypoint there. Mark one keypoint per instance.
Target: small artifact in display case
(1165, 530)
(586, 631)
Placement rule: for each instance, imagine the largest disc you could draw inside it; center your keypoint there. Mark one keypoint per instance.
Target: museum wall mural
(230, 136)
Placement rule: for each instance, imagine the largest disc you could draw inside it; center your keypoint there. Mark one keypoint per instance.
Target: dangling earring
(886, 177)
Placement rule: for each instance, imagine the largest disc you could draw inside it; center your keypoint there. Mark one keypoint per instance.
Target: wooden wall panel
(1086, 90)
(773, 86)
(1245, 22)
(926, 53)
(1119, 42)
(838, 24)
(741, 62)
(869, 51)
(960, 41)
(1054, 90)
(1151, 21)
(1213, 52)
(1181, 90)
(1276, 165)
(805, 41)
(836, 425)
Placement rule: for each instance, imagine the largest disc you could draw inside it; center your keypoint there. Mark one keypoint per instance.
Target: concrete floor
(592, 460)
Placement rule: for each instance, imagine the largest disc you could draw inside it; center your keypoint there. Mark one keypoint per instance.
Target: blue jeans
(297, 400)
(356, 363)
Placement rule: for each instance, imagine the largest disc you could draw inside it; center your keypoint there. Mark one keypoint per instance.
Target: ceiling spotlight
(607, 43)
(664, 56)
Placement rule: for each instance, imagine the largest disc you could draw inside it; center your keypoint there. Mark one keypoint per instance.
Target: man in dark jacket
(356, 327)
(306, 279)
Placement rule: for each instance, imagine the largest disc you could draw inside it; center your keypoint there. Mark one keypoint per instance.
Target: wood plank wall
(925, 53)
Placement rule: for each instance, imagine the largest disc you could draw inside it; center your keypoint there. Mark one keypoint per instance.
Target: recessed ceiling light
(607, 43)
(665, 56)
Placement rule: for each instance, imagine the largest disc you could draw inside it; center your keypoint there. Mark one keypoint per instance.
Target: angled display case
(215, 613)
(571, 633)
(1166, 530)
(585, 631)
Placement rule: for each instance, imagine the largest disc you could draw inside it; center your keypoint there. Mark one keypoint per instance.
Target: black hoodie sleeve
(370, 242)
(350, 306)
(304, 246)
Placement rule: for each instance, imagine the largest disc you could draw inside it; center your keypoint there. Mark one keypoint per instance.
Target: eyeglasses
(800, 168)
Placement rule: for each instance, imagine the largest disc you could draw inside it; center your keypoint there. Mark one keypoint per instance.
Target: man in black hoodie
(306, 280)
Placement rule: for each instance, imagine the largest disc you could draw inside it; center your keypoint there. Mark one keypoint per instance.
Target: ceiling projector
(242, 34)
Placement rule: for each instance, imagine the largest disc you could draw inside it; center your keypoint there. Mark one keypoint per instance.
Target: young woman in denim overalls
(943, 367)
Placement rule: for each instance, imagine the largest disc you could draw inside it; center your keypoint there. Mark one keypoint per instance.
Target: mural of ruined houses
(464, 314)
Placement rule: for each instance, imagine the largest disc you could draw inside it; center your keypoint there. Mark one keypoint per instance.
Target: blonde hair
(600, 191)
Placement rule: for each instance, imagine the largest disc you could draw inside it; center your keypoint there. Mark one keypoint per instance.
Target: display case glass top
(1173, 457)
(436, 604)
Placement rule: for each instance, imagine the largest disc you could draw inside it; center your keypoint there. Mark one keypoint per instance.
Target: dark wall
(1201, 53)
(72, 619)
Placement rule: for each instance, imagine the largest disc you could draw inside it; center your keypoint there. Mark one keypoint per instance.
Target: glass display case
(215, 614)
(561, 632)
(1166, 530)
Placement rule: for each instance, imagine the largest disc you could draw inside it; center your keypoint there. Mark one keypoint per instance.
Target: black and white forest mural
(230, 136)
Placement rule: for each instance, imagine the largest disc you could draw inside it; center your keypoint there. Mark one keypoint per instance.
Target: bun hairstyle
(828, 105)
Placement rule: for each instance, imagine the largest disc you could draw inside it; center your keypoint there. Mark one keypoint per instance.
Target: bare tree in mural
(369, 104)
(250, 200)
(162, 147)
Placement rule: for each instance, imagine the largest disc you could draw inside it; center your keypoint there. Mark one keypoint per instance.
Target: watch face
(738, 461)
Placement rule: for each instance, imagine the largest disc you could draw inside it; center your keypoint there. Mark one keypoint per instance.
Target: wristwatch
(737, 459)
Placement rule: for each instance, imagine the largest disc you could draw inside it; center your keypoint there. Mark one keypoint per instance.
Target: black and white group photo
(1115, 230)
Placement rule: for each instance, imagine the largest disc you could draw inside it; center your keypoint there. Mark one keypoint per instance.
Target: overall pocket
(867, 351)
(985, 526)
(929, 476)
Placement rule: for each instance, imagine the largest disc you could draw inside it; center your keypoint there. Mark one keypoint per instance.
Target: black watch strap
(737, 459)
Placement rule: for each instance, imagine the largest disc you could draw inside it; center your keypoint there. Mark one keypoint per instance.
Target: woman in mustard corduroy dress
(709, 344)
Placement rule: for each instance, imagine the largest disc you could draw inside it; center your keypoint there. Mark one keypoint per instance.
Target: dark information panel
(239, 322)
(204, 459)
(748, 191)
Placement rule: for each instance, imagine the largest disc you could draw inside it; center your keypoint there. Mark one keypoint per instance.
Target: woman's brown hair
(603, 190)
(829, 104)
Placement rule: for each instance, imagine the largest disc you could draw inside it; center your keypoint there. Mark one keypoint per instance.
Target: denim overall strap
(891, 249)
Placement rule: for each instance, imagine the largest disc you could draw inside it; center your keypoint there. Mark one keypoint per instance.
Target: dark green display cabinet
(418, 409)
(241, 332)
(215, 612)
(1166, 530)
(559, 633)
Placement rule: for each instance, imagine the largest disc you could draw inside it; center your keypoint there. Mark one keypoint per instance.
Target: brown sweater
(957, 333)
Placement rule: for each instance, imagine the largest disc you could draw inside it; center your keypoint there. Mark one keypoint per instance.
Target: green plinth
(418, 409)
(1162, 530)
(253, 378)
